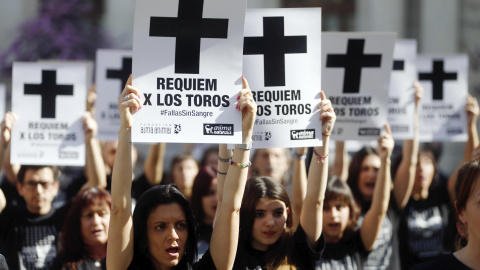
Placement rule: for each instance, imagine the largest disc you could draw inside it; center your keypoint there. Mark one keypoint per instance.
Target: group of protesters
(275, 209)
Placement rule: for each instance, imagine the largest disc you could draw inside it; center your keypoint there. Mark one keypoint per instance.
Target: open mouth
(269, 233)
(334, 225)
(173, 250)
(370, 185)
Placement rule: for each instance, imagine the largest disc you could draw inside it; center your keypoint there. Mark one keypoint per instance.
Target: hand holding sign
(128, 103)
(386, 143)
(7, 125)
(327, 115)
(472, 110)
(418, 92)
(90, 126)
(247, 105)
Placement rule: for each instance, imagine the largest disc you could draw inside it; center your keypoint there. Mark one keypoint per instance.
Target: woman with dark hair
(204, 205)
(467, 191)
(85, 231)
(427, 223)
(267, 240)
(161, 234)
(363, 175)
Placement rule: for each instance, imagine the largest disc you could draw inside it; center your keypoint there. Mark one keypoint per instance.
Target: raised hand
(248, 107)
(7, 125)
(472, 109)
(128, 103)
(386, 143)
(90, 126)
(418, 92)
(327, 115)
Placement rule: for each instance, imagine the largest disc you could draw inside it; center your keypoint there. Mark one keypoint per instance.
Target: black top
(205, 263)
(427, 228)
(347, 254)
(204, 235)
(443, 262)
(60, 263)
(304, 257)
(31, 239)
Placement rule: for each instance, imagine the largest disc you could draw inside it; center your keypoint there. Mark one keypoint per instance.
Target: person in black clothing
(467, 189)
(85, 232)
(204, 205)
(161, 234)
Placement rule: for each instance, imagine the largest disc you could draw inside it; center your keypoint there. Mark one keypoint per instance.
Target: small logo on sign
(218, 129)
(177, 128)
(369, 132)
(268, 135)
(302, 134)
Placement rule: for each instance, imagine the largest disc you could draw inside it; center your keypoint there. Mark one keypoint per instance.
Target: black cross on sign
(398, 65)
(437, 77)
(121, 74)
(48, 90)
(353, 62)
(274, 45)
(188, 29)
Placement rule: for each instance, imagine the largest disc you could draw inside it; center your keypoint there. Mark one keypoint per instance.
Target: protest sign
(358, 67)
(442, 110)
(187, 62)
(401, 100)
(49, 101)
(282, 56)
(113, 67)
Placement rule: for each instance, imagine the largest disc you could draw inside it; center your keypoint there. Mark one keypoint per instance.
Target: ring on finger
(127, 97)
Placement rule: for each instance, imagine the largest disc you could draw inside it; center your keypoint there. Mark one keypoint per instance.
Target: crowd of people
(271, 209)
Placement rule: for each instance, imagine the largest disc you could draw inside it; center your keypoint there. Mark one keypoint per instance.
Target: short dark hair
(148, 202)
(24, 168)
(354, 170)
(337, 189)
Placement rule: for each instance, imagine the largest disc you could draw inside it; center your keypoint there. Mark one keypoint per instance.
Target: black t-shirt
(205, 263)
(204, 236)
(348, 254)
(60, 263)
(304, 257)
(31, 239)
(443, 262)
(427, 228)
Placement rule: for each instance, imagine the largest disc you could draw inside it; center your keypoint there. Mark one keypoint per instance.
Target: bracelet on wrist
(221, 173)
(320, 157)
(241, 165)
(224, 159)
(244, 146)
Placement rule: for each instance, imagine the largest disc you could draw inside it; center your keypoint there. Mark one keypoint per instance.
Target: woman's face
(335, 219)
(167, 234)
(209, 203)
(470, 215)
(269, 224)
(424, 174)
(94, 221)
(184, 174)
(368, 176)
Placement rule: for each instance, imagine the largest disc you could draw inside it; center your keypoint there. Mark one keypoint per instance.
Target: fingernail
(243, 77)
(138, 96)
(238, 97)
(140, 107)
(236, 107)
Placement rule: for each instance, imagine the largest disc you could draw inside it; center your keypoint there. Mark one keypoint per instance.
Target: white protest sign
(442, 114)
(113, 67)
(3, 100)
(282, 53)
(49, 101)
(187, 61)
(358, 67)
(401, 100)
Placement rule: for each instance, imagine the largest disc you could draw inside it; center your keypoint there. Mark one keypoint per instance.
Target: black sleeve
(304, 256)
(205, 263)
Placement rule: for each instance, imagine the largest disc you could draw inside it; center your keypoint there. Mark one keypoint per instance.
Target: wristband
(244, 146)
(221, 173)
(224, 159)
(320, 157)
(241, 165)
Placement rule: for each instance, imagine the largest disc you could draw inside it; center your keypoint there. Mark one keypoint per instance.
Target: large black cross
(121, 74)
(48, 90)
(437, 77)
(274, 45)
(398, 65)
(188, 29)
(353, 62)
